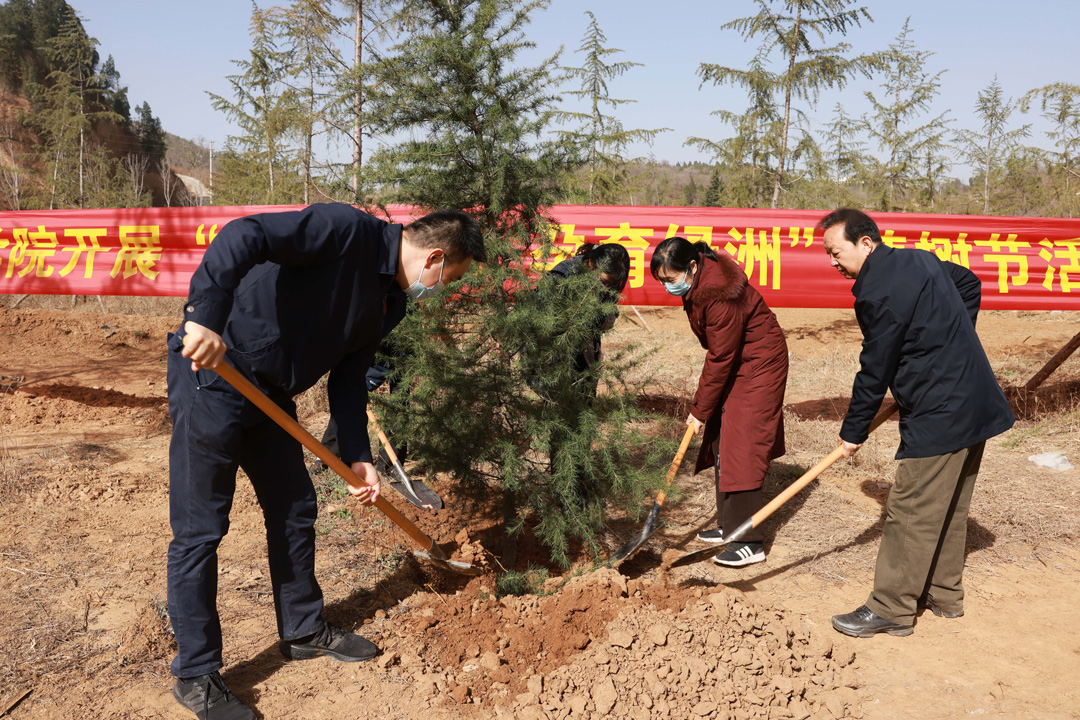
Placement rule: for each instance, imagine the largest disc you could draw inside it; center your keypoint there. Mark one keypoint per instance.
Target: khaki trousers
(922, 543)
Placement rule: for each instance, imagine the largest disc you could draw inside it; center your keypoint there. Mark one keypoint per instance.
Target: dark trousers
(734, 508)
(215, 432)
(922, 543)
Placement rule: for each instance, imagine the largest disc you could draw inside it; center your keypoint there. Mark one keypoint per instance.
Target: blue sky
(171, 53)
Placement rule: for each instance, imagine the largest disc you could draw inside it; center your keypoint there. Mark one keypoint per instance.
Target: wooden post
(1055, 362)
(643, 323)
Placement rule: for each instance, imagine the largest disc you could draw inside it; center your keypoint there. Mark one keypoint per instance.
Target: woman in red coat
(741, 386)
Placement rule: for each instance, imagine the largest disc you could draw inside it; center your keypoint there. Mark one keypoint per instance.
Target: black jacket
(917, 316)
(591, 352)
(297, 294)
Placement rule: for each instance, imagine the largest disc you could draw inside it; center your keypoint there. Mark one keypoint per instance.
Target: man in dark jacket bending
(284, 298)
(917, 315)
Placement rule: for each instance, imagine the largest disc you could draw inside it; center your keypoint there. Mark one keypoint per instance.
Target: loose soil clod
(631, 649)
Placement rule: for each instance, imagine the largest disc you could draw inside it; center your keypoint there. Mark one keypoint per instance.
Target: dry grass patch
(98, 304)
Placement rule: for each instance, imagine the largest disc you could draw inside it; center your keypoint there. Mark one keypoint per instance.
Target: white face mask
(679, 287)
(419, 291)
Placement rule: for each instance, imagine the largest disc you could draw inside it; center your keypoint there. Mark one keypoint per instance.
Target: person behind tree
(610, 262)
(604, 268)
(740, 393)
(284, 298)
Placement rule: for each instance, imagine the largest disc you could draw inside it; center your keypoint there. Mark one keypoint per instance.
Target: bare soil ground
(84, 434)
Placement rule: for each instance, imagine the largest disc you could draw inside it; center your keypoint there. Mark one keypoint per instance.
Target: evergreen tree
(844, 154)
(1059, 103)
(908, 91)
(601, 138)
(264, 109)
(150, 133)
(373, 21)
(789, 27)
(750, 153)
(474, 135)
(114, 94)
(712, 195)
(1022, 190)
(309, 29)
(16, 41)
(73, 104)
(935, 166)
(986, 150)
(689, 192)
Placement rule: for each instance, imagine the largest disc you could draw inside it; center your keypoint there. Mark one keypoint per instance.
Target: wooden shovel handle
(268, 406)
(382, 438)
(674, 469)
(810, 475)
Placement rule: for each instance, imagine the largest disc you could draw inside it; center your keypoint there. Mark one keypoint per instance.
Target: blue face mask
(679, 287)
(419, 291)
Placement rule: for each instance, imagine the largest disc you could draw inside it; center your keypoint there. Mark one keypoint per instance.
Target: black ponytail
(609, 258)
(677, 253)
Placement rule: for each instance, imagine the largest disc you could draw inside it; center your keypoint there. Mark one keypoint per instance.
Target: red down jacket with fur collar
(745, 373)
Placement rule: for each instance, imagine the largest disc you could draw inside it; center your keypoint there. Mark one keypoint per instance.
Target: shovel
(416, 492)
(790, 491)
(432, 552)
(634, 544)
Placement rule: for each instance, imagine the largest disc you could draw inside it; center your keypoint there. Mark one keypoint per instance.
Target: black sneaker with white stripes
(715, 536)
(738, 554)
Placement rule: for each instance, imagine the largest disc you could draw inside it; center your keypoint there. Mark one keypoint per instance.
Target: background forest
(318, 118)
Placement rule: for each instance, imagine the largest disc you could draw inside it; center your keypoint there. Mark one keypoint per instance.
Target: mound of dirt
(147, 638)
(607, 646)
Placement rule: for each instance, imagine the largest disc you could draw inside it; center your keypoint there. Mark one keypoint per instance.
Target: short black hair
(454, 232)
(856, 224)
(610, 259)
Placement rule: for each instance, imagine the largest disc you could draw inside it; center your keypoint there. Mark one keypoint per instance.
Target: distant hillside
(188, 157)
(69, 137)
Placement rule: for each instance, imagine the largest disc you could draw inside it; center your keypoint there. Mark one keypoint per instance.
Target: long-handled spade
(790, 491)
(634, 544)
(432, 552)
(415, 491)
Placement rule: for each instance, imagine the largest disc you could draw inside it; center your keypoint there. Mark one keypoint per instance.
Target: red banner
(1024, 263)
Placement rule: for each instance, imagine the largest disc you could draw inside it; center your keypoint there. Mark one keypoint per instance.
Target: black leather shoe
(332, 642)
(865, 623)
(942, 612)
(209, 699)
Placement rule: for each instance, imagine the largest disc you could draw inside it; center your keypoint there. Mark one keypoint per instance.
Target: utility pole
(358, 101)
(211, 172)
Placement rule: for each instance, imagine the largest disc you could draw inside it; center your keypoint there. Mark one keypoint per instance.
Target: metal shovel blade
(415, 491)
(461, 568)
(632, 545)
(699, 555)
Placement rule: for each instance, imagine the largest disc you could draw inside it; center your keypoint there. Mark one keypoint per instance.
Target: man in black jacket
(285, 298)
(917, 315)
